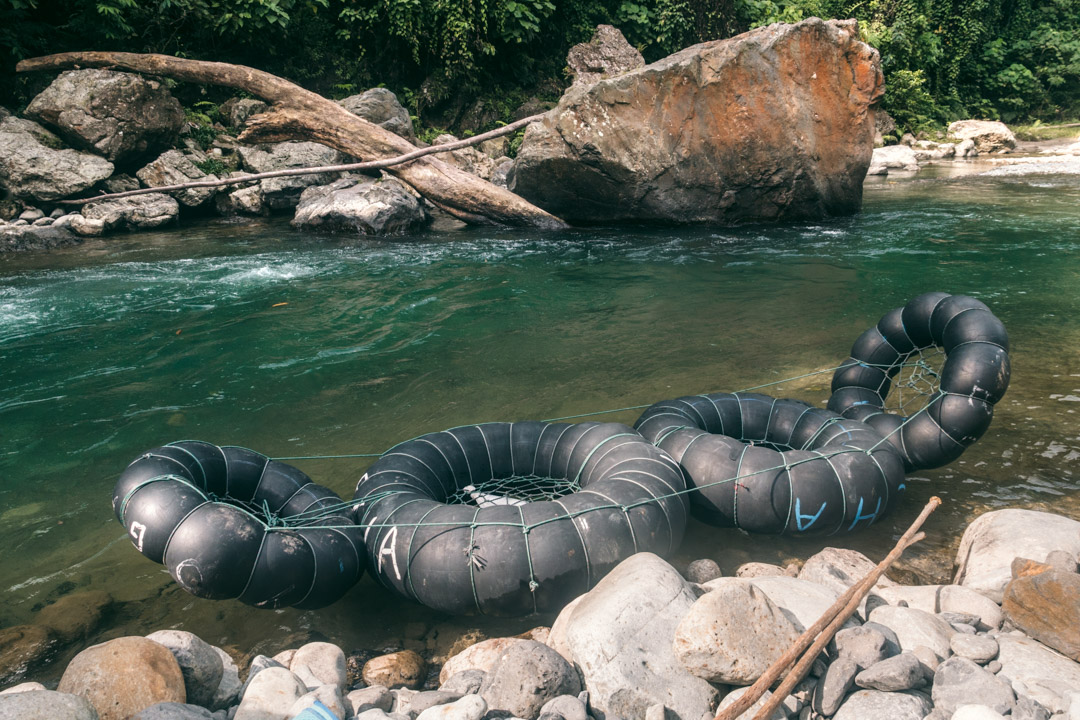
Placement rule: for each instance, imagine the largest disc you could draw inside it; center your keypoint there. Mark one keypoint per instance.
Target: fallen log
(293, 172)
(299, 114)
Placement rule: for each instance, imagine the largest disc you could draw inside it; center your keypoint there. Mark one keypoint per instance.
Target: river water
(298, 344)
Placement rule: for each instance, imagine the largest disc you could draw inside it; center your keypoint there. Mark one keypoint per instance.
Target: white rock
(988, 135)
(557, 636)
(995, 539)
(619, 635)
(780, 713)
(1047, 675)
(45, 705)
(875, 705)
(481, 656)
(733, 633)
(328, 695)
(373, 696)
(838, 569)
(319, 663)
(893, 158)
(23, 687)
(944, 598)
(976, 712)
(915, 627)
(470, 707)
(977, 648)
(87, 227)
(803, 601)
(269, 695)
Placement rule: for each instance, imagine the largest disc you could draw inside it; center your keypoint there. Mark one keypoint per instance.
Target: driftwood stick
(823, 630)
(299, 114)
(290, 172)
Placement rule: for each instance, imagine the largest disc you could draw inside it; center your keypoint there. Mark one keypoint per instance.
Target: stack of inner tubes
(218, 517)
(974, 377)
(776, 466)
(504, 556)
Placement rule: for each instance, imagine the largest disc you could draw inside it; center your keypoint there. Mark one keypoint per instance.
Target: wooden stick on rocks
(823, 630)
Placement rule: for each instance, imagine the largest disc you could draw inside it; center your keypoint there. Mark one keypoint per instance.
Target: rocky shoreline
(648, 642)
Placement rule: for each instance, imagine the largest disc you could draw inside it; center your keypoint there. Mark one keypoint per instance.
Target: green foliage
(201, 128)
(213, 166)
(907, 100)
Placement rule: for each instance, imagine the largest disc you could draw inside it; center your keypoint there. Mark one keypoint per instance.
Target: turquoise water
(296, 344)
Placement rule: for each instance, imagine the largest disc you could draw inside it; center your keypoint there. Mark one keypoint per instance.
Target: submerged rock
(120, 116)
(34, 163)
(23, 646)
(774, 123)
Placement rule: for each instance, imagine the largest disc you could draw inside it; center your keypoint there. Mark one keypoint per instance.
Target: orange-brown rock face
(774, 123)
(1044, 602)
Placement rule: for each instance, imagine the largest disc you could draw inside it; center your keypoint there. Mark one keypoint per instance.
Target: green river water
(122, 344)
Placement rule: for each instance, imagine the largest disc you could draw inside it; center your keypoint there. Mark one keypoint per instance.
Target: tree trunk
(299, 114)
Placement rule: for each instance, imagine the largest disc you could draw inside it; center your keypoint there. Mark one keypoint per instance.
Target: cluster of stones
(648, 643)
(97, 131)
(967, 140)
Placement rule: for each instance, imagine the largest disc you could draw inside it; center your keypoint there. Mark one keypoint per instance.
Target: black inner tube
(231, 523)
(974, 377)
(776, 466)
(594, 494)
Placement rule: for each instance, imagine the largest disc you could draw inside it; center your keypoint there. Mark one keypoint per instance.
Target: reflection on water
(306, 345)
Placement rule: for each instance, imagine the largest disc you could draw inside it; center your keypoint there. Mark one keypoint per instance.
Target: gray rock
(328, 695)
(35, 164)
(945, 598)
(988, 135)
(839, 568)
(702, 571)
(567, 707)
(121, 182)
(285, 657)
(929, 659)
(1028, 709)
(994, 666)
(866, 704)
(57, 213)
(175, 168)
(960, 618)
(619, 635)
(269, 695)
(483, 655)
(258, 664)
(121, 116)
(500, 176)
(959, 681)
(1049, 677)
(866, 646)
(733, 633)
(620, 149)
(606, 55)
(43, 222)
(86, 227)
(834, 685)
(140, 212)
(318, 664)
(995, 539)
(368, 206)
(240, 110)
(465, 682)
(893, 158)
(245, 201)
(468, 159)
(201, 666)
(374, 697)
(655, 712)
(381, 106)
(525, 677)
(18, 238)
(976, 712)
(281, 193)
(174, 711)
(31, 214)
(377, 714)
(470, 707)
(1062, 560)
(45, 705)
(977, 648)
(228, 690)
(759, 570)
(916, 627)
(902, 672)
(23, 687)
(751, 712)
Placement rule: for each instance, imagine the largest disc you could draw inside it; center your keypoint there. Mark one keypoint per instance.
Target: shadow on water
(311, 345)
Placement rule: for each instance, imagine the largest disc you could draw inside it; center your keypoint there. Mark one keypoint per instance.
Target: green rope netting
(915, 382)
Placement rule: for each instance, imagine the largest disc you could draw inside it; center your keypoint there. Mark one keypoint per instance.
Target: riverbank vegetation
(467, 65)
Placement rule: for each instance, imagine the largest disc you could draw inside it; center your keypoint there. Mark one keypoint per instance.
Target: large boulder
(1047, 676)
(619, 635)
(175, 168)
(35, 164)
(1046, 606)
(369, 206)
(989, 135)
(381, 106)
(525, 677)
(733, 633)
(606, 55)
(994, 539)
(284, 192)
(201, 666)
(140, 212)
(774, 123)
(898, 158)
(123, 117)
(123, 676)
(46, 705)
